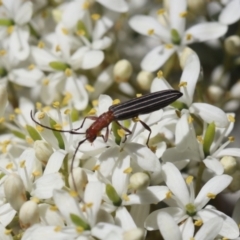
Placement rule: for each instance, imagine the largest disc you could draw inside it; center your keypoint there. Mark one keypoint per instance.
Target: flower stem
(199, 178)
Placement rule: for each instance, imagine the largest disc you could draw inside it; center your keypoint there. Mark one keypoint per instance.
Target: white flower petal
(142, 24)
(191, 71)
(168, 227)
(206, 31)
(117, 5)
(102, 230)
(124, 219)
(160, 84)
(210, 113)
(156, 58)
(214, 165)
(44, 186)
(235, 152)
(7, 214)
(188, 229)
(102, 44)
(214, 186)
(55, 162)
(151, 195)
(24, 13)
(143, 156)
(230, 14)
(176, 8)
(210, 229)
(174, 180)
(151, 221)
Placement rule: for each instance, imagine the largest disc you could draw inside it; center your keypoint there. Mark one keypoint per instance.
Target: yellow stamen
(116, 101)
(89, 88)
(95, 16)
(189, 179)
(211, 195)
(31, 67)
(57, 229)
(231, 139)
(22, 164)
(128, 170)
(96, 167)
(169, 195)
(56, 104)
(183, 14)
(168, 46)
(138, 95)
(53, 208)
(161, 11)
(125, 197)
(3, 52)
(159, 74)
(68, 72)
(151, 32)
(17, 111)
(92, 112)
(189, 36)
(182, 84)
(41, 44)
(198, 223)
(231, 118)
(121, 132)
(200, 139)
(64, 31)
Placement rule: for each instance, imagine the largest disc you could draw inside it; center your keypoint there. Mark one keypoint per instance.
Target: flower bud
(144, 79)
(229, 164)
(134, 234)
(122, 71)
(43, 151)
(139, 181)
(3, 99)
(28, 214)
(232, 45)
(113, 195)
(215, 92)
(80, 179)
(14, 191)
(235, 184)
(235, 89)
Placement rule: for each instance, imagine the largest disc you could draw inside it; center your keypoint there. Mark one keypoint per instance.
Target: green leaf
(208, 138)
(60, 66)
(19, 134)
(113, 196)
(57, 135)
(79, 222)
(33, 133)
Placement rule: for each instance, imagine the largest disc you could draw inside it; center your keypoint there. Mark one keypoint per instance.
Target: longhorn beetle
(137, 106)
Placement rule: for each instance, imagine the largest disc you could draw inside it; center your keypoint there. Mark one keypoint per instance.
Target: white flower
(170, 30)
(18, 13)
(184, 204)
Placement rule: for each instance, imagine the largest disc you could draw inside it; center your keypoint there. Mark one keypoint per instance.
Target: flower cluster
(175, 170)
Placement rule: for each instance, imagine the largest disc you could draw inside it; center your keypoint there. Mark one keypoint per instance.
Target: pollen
(89, 88)
(231, 118)
(189, 179)
(92, 112)
(183, 14)
(161, 11)
(29, 140)
(56, 104)
(211, 195)
(38, 105)
(17, 110)
(8, 231)
(125, 197)
(116, 101)
(182, 84)
(10, 29)
(231, 139)
(3, 52)
(45, 81)
(86, 5)
(96, 167)
(169, 195)
(41, 44)
(151, 32)
(73, 193)
(39, 128)
(68, 72)
(31, 67)
(57, 126)
(2, 120)
(190, 119)
(36, 173)
(159, 74)
(94, 103)
(95, 16)
(198, 223)
(57, 229)
(58, 48)
(12, 117)
(189, 37)
(200, 139)
(22, 164)
(128, 170)
(53, 208)
(168, 46)
(64, 31)
(121, 132)
(9, 166)
(41, 115)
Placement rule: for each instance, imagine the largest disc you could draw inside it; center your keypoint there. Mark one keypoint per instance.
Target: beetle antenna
(53, 129)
